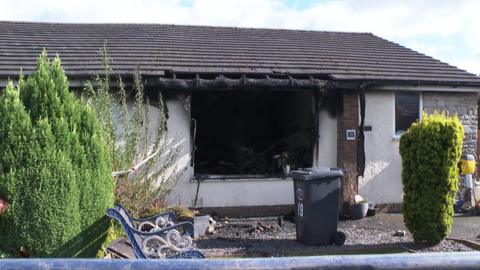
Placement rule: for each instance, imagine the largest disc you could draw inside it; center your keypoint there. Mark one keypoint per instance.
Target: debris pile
(260, 228)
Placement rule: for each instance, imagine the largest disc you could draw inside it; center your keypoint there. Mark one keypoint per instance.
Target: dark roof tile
(158, 48)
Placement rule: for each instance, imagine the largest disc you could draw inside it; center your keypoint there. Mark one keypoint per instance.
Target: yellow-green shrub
(430, 151)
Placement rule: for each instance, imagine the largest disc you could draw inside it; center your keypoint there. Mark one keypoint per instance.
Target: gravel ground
(264, 237)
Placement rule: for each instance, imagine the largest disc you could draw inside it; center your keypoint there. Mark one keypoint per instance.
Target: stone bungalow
(246, 105)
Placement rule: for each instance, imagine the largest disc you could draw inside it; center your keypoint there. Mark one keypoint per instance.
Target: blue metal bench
(161, 220)
(157, 236)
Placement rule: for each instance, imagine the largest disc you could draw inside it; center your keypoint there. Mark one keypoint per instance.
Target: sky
(448, 30)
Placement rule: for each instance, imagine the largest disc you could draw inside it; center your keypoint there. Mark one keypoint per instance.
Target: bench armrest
(169, 215)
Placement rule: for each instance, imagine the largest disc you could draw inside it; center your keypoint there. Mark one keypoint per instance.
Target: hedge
(430, 151)
(55, 172)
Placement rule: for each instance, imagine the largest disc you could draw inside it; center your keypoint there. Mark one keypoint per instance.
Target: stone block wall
(465, 105)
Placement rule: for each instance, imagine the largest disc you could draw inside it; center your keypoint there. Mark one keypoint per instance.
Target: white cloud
(448, 30)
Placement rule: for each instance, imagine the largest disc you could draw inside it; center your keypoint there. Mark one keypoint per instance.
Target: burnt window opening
(261, 133)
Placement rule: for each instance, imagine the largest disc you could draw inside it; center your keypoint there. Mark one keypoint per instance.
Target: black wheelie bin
(317, 199)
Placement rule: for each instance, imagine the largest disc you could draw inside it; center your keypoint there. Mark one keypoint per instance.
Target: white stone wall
(178, 135)
(327, 142)
(382, 179)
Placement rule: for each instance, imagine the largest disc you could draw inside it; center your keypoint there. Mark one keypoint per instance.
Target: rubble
(280, 220)
(210, 229)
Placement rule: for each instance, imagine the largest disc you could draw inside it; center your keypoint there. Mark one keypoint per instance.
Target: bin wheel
(339, 238)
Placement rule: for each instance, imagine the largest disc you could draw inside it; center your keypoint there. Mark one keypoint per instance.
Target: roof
(157, 48)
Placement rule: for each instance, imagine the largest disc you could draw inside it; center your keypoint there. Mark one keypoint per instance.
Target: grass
(114, 232)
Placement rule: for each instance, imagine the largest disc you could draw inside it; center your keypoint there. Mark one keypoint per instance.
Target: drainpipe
(316, 150)
(361, 159)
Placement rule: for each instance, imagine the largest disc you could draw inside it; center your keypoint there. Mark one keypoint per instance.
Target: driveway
(466, 227)
(264, 237)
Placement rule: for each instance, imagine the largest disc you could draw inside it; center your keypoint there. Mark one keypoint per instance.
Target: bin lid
(316, 173)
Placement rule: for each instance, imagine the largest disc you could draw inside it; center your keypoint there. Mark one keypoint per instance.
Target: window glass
(407, 111)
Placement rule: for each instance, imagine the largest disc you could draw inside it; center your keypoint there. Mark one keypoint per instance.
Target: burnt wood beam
(223, 83)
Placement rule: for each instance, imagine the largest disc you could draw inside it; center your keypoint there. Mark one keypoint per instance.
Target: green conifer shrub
(430, 151)
(55, 170)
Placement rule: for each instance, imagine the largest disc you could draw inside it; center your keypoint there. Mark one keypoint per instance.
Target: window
(407, 110)
(252, 134)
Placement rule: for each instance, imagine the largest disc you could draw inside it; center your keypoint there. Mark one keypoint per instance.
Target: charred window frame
(252, 134)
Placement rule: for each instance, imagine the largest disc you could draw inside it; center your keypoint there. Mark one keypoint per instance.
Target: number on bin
(300, 209)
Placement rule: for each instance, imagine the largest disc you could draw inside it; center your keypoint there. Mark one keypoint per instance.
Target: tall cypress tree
(55, 171)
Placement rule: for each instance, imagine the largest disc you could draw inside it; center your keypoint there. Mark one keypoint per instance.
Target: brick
(347, 150)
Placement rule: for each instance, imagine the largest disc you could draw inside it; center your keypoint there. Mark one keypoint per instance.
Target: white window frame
(396, 135)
